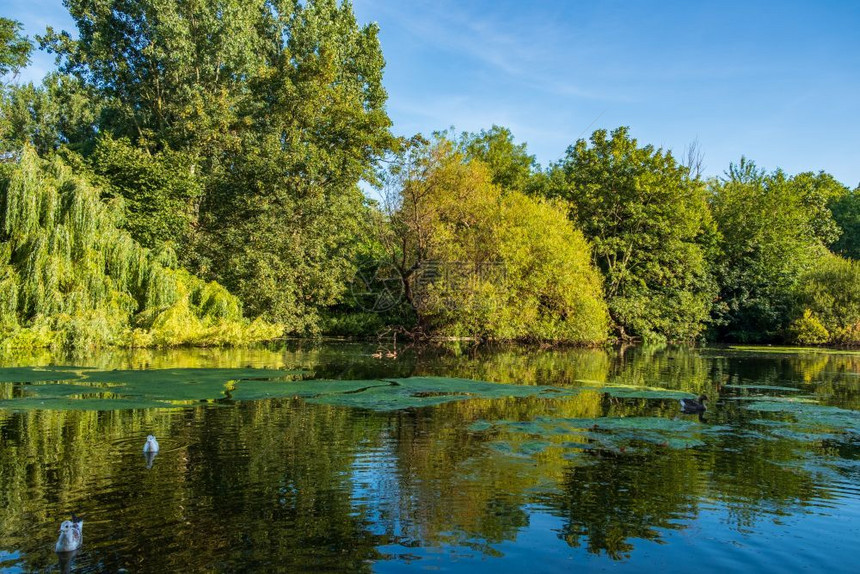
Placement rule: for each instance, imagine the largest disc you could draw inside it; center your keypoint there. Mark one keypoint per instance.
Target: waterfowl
(150, 458)
(71, 535)
(151, 444)
(391, 354)
(693, 405)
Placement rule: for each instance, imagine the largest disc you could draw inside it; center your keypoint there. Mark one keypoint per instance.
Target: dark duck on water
(693, 405)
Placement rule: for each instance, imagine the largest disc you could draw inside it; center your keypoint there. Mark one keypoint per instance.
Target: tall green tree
(510, 164)
(280, 224)
(15, 48)
(59, 112)
(172, 73)
(161, 191)
(846, 214)
(277, 106)
(651, 232)
(773, 229)
(828, 295)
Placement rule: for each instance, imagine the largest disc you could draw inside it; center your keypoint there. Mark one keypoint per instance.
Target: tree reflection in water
(283, 485)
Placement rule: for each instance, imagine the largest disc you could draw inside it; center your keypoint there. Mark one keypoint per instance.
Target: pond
(322, 457)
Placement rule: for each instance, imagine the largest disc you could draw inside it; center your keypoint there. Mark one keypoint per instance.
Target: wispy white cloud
(533, 52)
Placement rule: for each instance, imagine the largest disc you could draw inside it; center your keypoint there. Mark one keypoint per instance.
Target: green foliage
(818, 192)
(830, 294)
(250, 123)
(846, 214)
(808, 330)
(650, 229)
(160, 190)
(510, 165)
(280, 227)
(551, 289)
(351, 323)
(73, 279)
(230, 138)
(15, 48)
(59, 112)
(478, 262)
(773, 231)
(168, 71)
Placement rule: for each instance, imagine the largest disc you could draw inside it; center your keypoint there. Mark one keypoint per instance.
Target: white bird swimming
(71, 535)
(151, 444)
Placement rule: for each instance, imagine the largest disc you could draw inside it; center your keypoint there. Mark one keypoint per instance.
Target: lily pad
(173, 387)
(791, 350)
(129, 389)
(762, 387)
(807, 399)
(642, 393)
(184, 384)
(480, 426)
(62, 390)
(34, 375)
(811, 415)
(395, 394)
(616, 434)
(251, 390)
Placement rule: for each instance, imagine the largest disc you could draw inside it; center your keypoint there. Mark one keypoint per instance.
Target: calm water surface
(765, 481)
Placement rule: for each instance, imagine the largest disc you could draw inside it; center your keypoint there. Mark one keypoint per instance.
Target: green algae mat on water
(765, 349)
(81, 389)
(619, 434)
(74, 388)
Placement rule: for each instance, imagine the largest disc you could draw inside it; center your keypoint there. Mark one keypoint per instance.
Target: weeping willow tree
(71, 277)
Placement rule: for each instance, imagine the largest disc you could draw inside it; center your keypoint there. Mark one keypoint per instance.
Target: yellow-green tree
(71, 277)
(477, 260)
(827, 307)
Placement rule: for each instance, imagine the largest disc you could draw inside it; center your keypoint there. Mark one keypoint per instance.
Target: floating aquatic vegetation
(832, 469)
(84, 389)
(633, 391)
(171, 387)
(57, 390)
(615, 434)
(66, 403)
(808, 415)
(28, 374)
(629, 392)
(808, 399)
(761, 388)
(791, 350)
(395, 394)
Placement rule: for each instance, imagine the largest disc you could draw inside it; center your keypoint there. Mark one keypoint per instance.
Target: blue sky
(778, 82)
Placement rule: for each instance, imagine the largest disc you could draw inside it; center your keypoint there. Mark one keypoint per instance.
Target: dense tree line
(237, 134)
